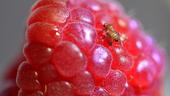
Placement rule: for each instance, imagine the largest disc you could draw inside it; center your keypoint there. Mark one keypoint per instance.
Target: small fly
(114, 35)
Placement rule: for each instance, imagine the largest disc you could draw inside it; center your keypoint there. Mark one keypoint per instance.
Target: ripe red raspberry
(88, 48)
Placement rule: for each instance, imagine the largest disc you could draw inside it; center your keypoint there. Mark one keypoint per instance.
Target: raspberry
(86, 48)
(115, 82)
(11, 73)
(57, 12)
(59, 89)
(83, 83)
(49, 34)
(37, 93)
(63, 56)
(101, 60)
(143, 72)
(37, 54)
(82, 34)
(48, 73)
(27, 77)
(98, 91)
(123, 60)
(128, 91)
(82, 14)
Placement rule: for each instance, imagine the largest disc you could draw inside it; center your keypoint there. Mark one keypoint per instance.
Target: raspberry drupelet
(87, 48)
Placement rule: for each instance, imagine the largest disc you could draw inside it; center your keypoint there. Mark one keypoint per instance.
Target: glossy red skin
(64, 89)
(27, 77)
(67, 48)
(49, 34)
(36, 51)
(63, 53)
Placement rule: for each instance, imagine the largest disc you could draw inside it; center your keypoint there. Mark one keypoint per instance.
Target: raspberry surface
(87, 48)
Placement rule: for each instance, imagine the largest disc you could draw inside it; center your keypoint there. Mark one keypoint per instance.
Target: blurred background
(154, 15)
